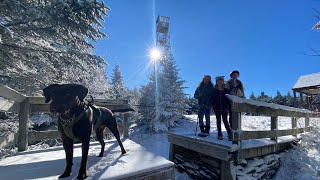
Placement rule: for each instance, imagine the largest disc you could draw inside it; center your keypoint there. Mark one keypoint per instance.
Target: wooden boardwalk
(50, 163)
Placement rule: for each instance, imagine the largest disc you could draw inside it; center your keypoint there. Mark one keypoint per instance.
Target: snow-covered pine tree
(147, 101)
(41, 40)
(172, 100)
(134, 100)
(118, 89)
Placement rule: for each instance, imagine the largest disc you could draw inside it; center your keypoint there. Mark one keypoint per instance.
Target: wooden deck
(223, 149)
(49, 163)
(214, 157)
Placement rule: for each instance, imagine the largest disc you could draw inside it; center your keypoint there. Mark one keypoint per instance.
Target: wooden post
(301, 100)
(23, 125)
(274, 126)
(171, 151)
(126, 126)
(226, 170)
(294, 123)
(295, 99)
(306, 122)
(236, 128)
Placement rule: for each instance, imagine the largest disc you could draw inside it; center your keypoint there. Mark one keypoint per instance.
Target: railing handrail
(270, 109)
(24, 105)
(239, 105)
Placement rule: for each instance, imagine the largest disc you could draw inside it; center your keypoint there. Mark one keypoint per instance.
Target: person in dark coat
(220, 104)
(204, 94)
(235, 87)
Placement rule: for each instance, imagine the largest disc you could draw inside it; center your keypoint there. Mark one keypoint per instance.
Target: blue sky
(265, 40)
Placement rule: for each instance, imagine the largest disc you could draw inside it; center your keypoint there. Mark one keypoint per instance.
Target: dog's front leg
(68, 148)
(83, 166)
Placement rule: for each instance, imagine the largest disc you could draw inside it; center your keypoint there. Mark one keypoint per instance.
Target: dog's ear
(47, 92)
(80, 91)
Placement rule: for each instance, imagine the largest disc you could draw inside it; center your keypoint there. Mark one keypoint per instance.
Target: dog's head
(64, 97)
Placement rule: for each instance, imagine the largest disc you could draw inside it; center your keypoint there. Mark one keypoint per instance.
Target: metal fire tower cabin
(162, 32)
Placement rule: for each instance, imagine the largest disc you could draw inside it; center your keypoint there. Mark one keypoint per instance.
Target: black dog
(76, 120)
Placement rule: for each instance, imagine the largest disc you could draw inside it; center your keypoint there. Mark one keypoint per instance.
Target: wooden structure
(308, 86)
(219, 157)
(16, 102)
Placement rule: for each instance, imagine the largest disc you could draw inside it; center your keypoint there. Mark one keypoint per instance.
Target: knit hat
(233, 72)
(220, 78)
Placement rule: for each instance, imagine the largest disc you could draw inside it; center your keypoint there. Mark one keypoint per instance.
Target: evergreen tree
(252, 97)
(279, 99)
(147, 101)
(118, 89)
(49, 41)
(264, 98)
(289, 100)
(172, 100)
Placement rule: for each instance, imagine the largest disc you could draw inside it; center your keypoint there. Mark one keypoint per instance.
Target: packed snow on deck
(50, 163)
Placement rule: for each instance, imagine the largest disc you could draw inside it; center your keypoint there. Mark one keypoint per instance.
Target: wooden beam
(268, 111)
(125, 126)
(226, 169)
(10, 106)
(34, 136)
(295, 99)
(246, 135)
(98, 102)
(171, 151)
(306, 122)
(306, 88)
(45, 108)
(274, 126)
(264, 150)
(40, 108)
(11, 94)
(23, 126)
(210, 149)
(301, 100)
(263, 108)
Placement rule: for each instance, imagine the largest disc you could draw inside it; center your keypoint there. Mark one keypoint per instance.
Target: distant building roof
(308, 82)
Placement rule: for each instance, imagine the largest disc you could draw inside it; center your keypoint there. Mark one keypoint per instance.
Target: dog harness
(67, 124)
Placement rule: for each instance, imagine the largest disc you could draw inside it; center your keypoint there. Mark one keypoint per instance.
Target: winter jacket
(204, 95)
(219, 101)
(235, 87)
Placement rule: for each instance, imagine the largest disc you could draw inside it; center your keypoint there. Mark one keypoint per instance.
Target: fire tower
(163, 38)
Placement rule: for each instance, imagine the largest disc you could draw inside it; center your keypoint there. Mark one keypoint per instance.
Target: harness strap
(67, 124)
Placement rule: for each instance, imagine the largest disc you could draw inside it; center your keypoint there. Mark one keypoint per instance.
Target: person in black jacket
(204, 94)
(220, 104)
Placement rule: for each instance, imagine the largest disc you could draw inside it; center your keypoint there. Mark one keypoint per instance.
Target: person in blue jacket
(204, 94)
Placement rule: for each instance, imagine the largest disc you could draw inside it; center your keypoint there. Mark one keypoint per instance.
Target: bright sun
(155, 54)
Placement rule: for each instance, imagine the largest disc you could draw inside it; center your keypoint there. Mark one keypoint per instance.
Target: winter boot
(207, 130)
(202, 133)
(229, 137)
(220, 137)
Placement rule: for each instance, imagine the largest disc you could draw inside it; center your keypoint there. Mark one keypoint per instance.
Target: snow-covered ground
(158, 144)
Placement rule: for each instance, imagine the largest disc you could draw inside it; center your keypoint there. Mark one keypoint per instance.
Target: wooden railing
(239, 105)
(13, 101)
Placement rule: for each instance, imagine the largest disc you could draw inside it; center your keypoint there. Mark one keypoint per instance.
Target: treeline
(286, 100)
